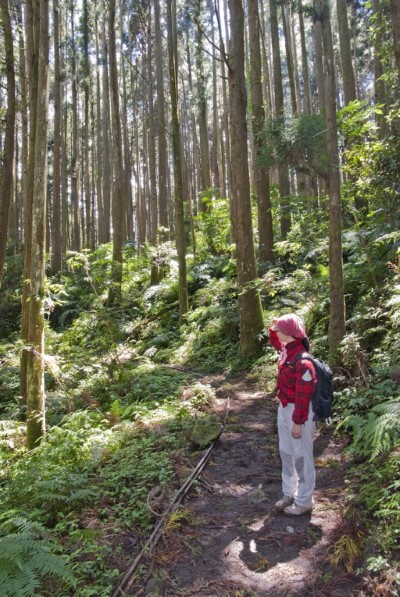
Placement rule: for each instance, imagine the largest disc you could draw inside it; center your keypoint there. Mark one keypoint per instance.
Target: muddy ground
(230, 541)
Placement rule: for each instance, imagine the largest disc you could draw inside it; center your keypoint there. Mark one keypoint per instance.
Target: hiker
(295, 386)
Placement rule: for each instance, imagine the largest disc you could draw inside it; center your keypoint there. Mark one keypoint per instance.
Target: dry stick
(128, 579)
(152, 541)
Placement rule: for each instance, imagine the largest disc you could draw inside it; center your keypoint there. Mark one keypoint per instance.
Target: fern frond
(377, 432)
(26, 560)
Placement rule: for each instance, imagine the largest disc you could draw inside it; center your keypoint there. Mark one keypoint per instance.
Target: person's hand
(296, 431)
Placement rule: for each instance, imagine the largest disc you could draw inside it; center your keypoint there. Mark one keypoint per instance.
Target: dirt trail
(234, 543)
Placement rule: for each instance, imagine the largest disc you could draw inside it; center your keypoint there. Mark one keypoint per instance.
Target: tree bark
(308, 108)
(35, 360)
(336, 284)
(380, 91)
(89, 224)
(176, 149)
(162, 145)
(75, 203)
(114, 295)
(349, 85)
(7, 173)
(106, 141)
(395, 14)
(250, 313)
(56, 244)
(28, 181)
(215, 148)
(289, 58)
(128, 198)
(283, 173)
(261, 174)
(205, 171)
(319, 65)
(101, 220)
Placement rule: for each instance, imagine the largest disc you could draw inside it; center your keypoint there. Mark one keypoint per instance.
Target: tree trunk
(261, 174)
(308, 109)
(176, 149)
(283, 173)
(128, 202)
(266, 63)
(380, 91)
(151, 144)
(162, 145)
(205, 172)
(215, 166)
(114, 295)
(319, 65)
(336, 285)
(101, 219)
(349, 85)
(395, 13)
(7, 173)
(75, 203)
(289, 58)
(24, 105)
(28, 180)
(89, 228)
(106, 139)
(250, 313)
(56, 244)
(35, 360)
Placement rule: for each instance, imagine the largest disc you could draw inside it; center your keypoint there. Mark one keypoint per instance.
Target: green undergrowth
(123, 390)
(84, 491)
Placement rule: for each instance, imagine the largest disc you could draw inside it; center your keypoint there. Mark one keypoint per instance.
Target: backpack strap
(297, 358)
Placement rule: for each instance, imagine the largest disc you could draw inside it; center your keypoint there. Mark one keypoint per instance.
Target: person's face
(283, 338)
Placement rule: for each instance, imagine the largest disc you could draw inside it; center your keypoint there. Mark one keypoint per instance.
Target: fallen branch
(127, 581)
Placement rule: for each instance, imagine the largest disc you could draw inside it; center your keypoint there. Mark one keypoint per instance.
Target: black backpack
(323, 393)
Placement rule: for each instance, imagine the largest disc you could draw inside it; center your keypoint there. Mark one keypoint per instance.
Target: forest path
(233, 543)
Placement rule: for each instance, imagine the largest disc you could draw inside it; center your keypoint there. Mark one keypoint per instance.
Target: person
(295, 386)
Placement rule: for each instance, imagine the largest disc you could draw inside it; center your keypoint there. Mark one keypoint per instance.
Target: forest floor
(230, 541)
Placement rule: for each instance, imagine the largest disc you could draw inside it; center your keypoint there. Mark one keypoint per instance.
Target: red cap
(290, 325)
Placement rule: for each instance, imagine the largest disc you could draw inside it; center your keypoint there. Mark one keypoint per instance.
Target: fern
(378, 432)
(26, 557)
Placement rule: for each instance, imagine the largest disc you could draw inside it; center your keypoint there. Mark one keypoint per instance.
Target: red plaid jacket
(295, 384)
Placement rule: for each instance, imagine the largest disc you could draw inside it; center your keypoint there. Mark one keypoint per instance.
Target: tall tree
(205, 172)
(319, 65)
(308, 108)
(336, 284)
(114, 295)
(283, 173)
(89, 224)
(38, 164)
(29, 102)
(215, 149)
(380, 90)
(261, 173)
(56, 224)
(289, 58)
(250, 313)
(176, 150)
(161, 124)
(7, 170)
(349, 85)
(395, 14)
(106, 132)
(75, 203)
(128, 207)
(101, 218)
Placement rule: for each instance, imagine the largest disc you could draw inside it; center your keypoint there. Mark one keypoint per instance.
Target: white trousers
(298, 470)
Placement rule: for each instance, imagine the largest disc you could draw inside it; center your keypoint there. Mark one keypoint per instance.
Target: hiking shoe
(283, 503)
(296, 510)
